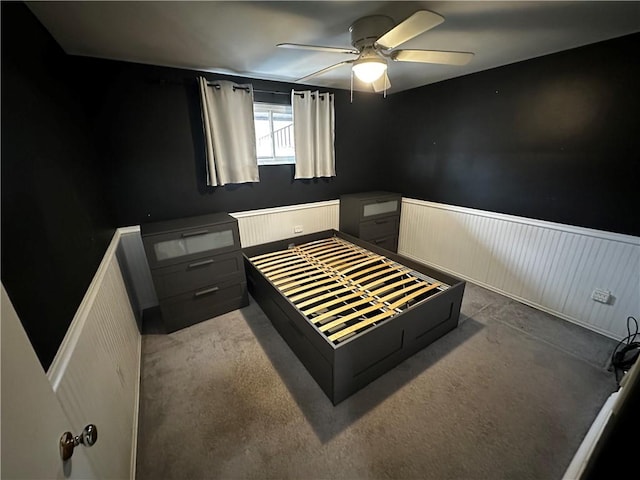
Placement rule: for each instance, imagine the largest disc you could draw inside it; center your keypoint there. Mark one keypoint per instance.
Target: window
(274, 133)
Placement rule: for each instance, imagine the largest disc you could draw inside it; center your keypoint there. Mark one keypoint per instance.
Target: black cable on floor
(626, 352)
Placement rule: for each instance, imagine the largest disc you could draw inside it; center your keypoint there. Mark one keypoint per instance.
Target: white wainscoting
(547, 265)
(96, 372)
(270, 224)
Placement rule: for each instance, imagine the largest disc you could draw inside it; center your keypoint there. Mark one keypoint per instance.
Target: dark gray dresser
(197, 267)
(373, 217)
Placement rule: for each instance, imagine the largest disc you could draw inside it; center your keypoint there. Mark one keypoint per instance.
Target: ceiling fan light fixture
(369, 69)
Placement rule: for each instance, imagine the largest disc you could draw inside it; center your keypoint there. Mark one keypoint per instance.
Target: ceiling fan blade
(432, 56)
(324, 70)
(418, 23)
(382, 84)
(319, 48)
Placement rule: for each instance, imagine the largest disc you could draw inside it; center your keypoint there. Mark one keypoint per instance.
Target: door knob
(68, 442)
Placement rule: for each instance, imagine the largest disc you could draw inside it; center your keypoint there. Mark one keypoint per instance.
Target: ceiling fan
(374, 39)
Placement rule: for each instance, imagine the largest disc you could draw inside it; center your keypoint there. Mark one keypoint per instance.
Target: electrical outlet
(298, 229)
(602, 296)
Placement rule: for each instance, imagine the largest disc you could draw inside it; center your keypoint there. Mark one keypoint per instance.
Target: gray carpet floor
(508, 394)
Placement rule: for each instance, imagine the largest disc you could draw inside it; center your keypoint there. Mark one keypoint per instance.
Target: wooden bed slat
(368, 286)
(393, 285)
(278, 261)
(340, 265)
(413, 295)
(351, 245)
(367, 270)
(405, 291)
(333, 293)
(267, 262)
(371, 276)
(355, 248)
(311, 283)
(388, 313)
(327, 252)
(351, 316)
(291, 261)
(288, 271)
(362, 264)
(321, 249)
(339, 259)
(345, 252)
(316, 290)
(342, 308)
(344, 298)
(301, 278)
(323, 241)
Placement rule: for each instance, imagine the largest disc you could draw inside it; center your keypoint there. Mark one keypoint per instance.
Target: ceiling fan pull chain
(351, 85)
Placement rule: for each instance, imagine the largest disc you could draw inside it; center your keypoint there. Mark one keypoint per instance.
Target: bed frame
(349, 310)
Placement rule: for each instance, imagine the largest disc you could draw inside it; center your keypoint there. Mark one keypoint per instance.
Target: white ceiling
(240, 38)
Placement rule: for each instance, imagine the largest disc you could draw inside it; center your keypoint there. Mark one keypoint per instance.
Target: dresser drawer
(381, 206)
(190, 308)
(184, 277)
(388, 243)
(383, 227)
(191, 243)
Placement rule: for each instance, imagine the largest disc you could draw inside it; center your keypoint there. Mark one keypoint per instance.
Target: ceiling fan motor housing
(366, 30)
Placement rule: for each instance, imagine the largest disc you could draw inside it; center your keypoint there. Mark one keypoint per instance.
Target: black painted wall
(554, 138)
(149, 129)
(56, 224)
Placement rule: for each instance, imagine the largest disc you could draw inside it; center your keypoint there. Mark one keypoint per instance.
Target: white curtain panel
(314, 133)
(227, 115)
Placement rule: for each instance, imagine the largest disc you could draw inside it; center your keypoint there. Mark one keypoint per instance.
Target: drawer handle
(381, 222)
(193, 234)
(200, 264)
(206, 291)
(377, 242)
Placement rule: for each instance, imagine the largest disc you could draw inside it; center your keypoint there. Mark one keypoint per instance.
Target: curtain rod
(213, 83)
(256, 90)
(271, 91)
(300, 94)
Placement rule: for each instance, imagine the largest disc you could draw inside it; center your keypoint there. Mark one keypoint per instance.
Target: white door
(32, 420)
